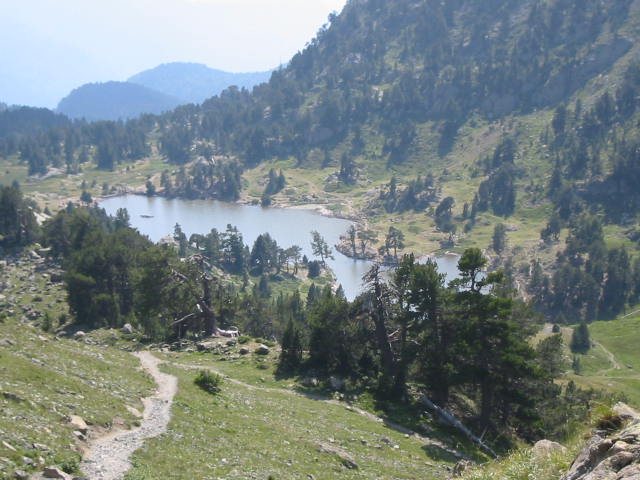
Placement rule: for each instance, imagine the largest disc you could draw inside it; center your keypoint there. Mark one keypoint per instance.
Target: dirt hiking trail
(108, 456)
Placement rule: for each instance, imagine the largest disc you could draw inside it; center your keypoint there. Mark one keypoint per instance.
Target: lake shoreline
(156, 216)
(318, 208)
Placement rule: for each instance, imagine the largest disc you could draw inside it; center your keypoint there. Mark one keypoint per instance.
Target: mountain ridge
(114, 101)
(195, 82)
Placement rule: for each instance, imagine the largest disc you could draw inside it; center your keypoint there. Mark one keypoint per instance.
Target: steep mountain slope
(194, 82)
(392, 67)
(114, 101)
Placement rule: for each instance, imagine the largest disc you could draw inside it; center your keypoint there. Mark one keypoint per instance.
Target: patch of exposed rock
(546, 448)
(613, 458)
(344, 458)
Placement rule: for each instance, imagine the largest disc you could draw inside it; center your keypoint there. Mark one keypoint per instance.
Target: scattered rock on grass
(77, 423)
(545, 448)
(461, 467)
(263, 350)
(8, 446)
(346, 459)
(12, 396)
(206, 346)
(54, 472)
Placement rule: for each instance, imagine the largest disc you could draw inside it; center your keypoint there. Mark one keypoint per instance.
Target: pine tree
(580, 339)
(291, 356)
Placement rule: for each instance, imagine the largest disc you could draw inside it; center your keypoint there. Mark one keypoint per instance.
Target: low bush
(209, 382)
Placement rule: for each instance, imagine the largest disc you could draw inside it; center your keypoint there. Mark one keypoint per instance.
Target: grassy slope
(257, 426)
(53, 378)
(613, 364)
(44, 379)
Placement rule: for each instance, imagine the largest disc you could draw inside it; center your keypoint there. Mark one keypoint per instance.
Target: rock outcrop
(613, 458)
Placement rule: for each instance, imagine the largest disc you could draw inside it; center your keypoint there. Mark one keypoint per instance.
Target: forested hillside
(507, 125)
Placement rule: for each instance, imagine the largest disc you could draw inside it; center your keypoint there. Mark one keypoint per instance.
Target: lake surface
(287, 226)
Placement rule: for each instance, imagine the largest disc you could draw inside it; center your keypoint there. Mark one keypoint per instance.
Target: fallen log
(449, 419)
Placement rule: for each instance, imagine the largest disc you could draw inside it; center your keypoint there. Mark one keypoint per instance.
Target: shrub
(47, 324)
(610, 422)
(68, 462)
(209, 382)
(242, 339)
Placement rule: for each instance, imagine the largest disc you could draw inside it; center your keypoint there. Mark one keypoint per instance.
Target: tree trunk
(381, 333)
(207, 311)
(486, 402)
(401, 369)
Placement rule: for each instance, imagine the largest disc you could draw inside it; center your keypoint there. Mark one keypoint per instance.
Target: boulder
(625, 412)
(244, 351)
(8, 446)
(127, 329)
(346, 459)
(310, 382)
(613, 458)
(77, 423)
(545, 448)
(79, 335)
(20, 475)
(263, 350)
(336, 384)
(54, 472)
(12, 396)
(5, 342)
(461, 467)
(232, 342)
(134, 411)
(206, 346)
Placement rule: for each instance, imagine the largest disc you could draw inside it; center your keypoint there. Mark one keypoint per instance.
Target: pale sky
(48, 47)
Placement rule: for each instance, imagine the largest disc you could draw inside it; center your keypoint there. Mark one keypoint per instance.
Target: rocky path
(108, 456)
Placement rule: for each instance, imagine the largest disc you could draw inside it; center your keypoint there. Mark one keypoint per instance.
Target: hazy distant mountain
(114, 100)
(195, 82)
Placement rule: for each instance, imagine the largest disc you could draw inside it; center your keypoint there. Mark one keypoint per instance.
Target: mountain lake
(157, 216)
